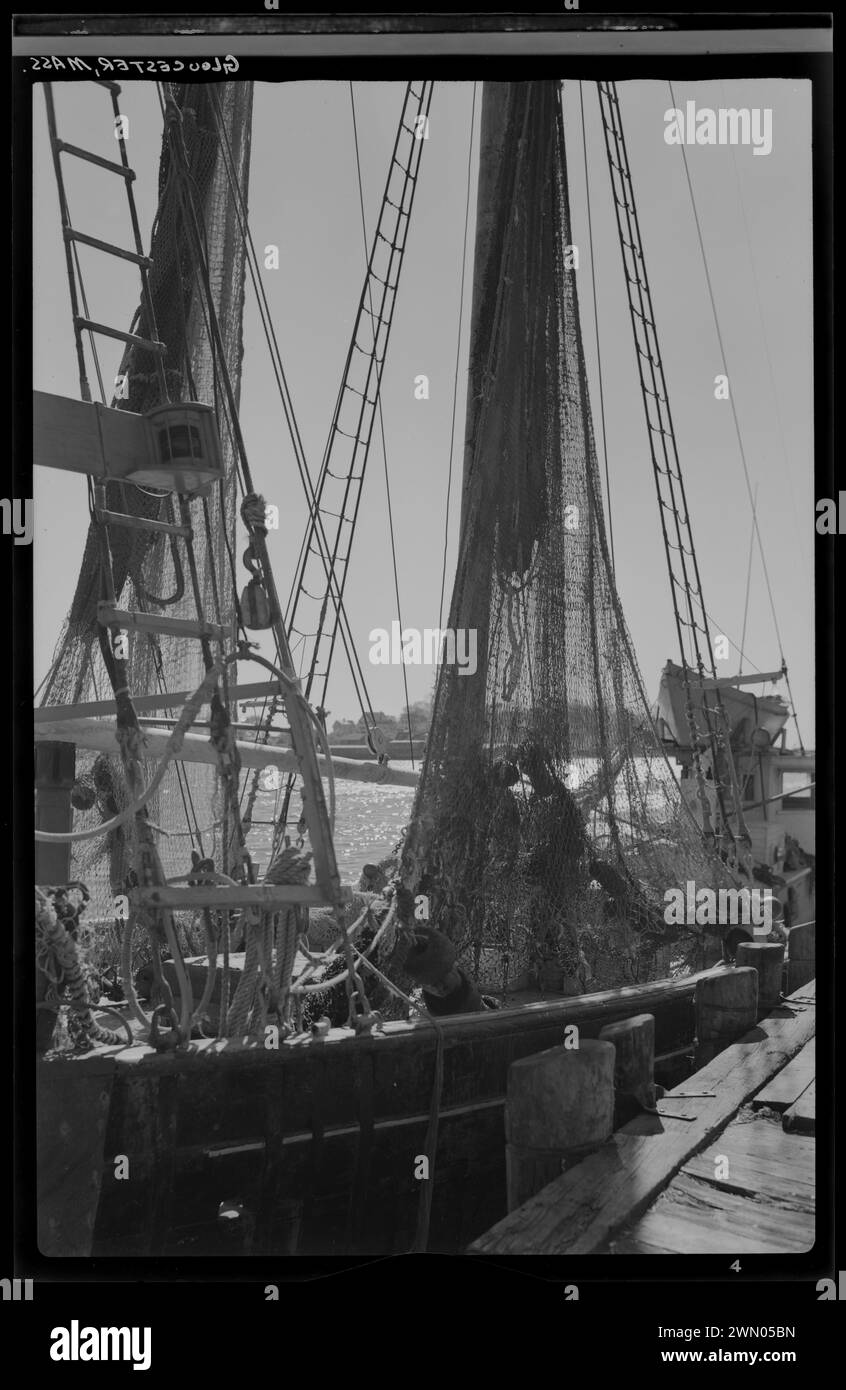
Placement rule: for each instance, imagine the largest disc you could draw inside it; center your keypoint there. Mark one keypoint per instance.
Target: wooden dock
(726, 1166)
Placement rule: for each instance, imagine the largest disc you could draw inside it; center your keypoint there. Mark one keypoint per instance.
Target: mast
(543, 769)
(149, 572)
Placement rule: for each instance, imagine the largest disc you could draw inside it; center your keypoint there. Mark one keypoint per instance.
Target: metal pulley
(256, 609)
(379, 743)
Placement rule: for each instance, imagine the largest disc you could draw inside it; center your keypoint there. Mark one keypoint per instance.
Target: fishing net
(151, 571)
(548, 824)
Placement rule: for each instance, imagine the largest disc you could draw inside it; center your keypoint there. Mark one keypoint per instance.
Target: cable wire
(457, 357)
(381, 417)
(736, 421)
(596, 333)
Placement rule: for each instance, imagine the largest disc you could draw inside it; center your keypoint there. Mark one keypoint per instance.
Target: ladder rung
(142, 523)
(131, 338)
(159, 622)
(64, 148)
(71, 235)
(267, 896)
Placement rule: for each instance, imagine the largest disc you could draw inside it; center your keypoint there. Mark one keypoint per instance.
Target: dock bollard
(767, 957)
(726, 1008)
(634, 1085)
(801, 956)
(559, 1105)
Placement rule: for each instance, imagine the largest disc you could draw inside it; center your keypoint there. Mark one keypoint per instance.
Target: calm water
(368, 822)
(370, 819)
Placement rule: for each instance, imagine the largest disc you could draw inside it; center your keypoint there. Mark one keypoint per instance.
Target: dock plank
(788, 1085)
(801, 1117)
(760, 1161)
(694, 1215)
(580, 1211)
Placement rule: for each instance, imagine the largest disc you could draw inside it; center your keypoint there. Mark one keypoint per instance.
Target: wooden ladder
(155, 894)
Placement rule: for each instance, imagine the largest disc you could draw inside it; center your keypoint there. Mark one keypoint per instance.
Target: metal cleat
(368, 1023)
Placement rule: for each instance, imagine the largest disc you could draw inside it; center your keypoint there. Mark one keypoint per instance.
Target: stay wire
(748, 582)
(457, 356)
(765, 340)
(596, 331)
(381, 418)
(316, 524)
(736, 420)
(374, 361)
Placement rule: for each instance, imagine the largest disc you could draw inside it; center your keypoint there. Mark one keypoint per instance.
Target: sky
(755, 213)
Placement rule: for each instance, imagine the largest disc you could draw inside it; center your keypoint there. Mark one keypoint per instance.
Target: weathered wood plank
(86, 437)
(801, 1117)
(583, 1208)
(46, 714)
(110, 616)
(693, 1215)
(72, 1107)
(801, 955)
(539, 1024)
(761, 1160)
(788, 1085)
(99, 734)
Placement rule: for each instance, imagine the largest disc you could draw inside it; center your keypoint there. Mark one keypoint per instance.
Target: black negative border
(758, 1271)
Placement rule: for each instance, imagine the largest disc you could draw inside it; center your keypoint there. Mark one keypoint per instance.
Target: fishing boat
(553, 808)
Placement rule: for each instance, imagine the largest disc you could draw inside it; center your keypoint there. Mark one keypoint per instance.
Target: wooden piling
(55, 773)
(767, 957)
(801, 956)
(559, 1107)
(634, 1045)
(726, 1007)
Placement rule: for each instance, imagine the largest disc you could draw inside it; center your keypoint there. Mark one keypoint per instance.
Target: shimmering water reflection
(368, 823)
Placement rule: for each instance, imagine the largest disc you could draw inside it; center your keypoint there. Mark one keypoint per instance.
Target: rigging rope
(748, 581)
(356, 670)
(688, 583)
(457, 356)
(736, 423)
(781, 433)
(381, 417)
(596, 334)
(353, 660)
(189, 713)
(373, 364)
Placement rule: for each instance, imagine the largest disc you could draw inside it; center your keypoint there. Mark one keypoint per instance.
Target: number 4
(735, 1266)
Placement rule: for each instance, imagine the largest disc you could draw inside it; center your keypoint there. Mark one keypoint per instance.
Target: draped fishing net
(548, 824)
(151, 572)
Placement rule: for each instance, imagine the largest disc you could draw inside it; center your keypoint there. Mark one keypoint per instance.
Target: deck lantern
(183, 452)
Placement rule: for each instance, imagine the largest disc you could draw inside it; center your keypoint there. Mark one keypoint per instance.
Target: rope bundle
(57, 957)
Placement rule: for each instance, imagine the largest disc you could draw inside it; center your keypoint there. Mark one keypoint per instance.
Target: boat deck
(726, 1167)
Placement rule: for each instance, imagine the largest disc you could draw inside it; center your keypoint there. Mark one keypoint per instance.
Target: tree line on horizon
(395, 725)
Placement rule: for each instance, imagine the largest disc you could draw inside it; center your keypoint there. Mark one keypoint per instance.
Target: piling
(726, 1007)
(559, 1107)
(801, 956)
(634, 1045)
(767, 957)
(55, 772)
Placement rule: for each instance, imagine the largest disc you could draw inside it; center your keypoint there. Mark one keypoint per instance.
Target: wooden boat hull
(317, 1140)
